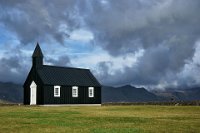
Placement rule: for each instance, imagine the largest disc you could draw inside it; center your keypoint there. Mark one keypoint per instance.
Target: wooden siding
(66, 95)
(33, 77)
(45, 93)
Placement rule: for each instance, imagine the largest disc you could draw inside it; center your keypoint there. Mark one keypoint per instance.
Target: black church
(52, 85)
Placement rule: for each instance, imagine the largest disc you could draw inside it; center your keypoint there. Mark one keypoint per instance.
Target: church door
(33, 93)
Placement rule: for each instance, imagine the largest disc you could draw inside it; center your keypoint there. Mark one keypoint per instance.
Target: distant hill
(193, 93)
(127, 93)
(180, 95)
(11, 92)
(132, 94)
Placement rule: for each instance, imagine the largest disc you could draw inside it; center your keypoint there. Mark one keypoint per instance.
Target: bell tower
(37, 57)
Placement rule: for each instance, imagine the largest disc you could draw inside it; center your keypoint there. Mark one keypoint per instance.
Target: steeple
(37, 57)
(37, 52)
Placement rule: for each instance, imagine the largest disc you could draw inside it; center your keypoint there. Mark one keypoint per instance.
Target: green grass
(112, 119)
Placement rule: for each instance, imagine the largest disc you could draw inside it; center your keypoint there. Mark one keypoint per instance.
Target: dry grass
(103, 119)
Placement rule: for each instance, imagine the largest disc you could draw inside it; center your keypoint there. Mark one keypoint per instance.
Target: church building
(51, 85)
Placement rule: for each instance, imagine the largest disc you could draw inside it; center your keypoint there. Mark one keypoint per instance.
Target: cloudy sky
(151, 43)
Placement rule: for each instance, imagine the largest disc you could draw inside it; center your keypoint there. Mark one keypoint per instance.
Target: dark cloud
(167, 31)
(13, 69)
(39, 20)
(125, 26)
(61, 61)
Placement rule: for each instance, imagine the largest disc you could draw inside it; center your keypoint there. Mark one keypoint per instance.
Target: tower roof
(37, 52)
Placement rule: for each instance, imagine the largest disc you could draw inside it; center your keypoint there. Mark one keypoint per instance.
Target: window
(56, 91)
(74, 91)
(91, 91)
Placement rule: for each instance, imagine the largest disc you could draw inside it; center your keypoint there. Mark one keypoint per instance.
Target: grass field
(114, 119)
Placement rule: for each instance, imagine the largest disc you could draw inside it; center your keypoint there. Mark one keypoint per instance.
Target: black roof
(37, 52)
(54, 75)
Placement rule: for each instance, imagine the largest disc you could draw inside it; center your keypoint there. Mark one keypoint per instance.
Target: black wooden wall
(45, 93)
(66, 95)
(32, 76)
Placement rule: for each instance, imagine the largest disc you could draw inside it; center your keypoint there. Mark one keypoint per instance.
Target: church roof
(37, 52)
(54, 75)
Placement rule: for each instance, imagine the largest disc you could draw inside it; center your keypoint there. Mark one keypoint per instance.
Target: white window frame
(75, 88)
(55, 93)
(91, 91)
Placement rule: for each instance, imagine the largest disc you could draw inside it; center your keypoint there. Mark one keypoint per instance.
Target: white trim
(74, 91)
(33, 93)
(90, 91)
(56, 91)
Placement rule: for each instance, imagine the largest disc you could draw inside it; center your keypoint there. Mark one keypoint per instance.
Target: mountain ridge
(14, 93)
(11, 92)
